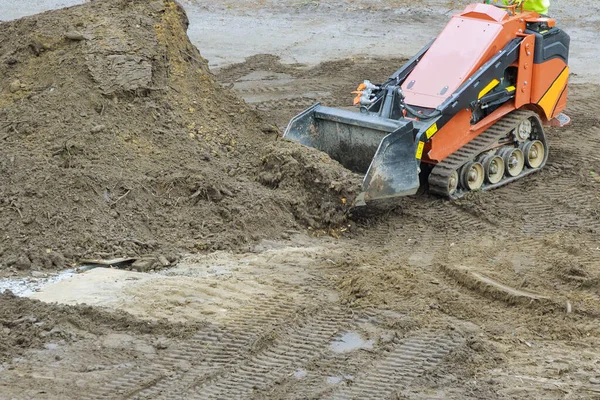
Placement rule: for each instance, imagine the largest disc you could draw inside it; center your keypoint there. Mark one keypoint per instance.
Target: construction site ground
(495, 296)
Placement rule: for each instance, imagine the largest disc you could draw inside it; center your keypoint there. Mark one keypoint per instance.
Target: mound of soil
(116, 139)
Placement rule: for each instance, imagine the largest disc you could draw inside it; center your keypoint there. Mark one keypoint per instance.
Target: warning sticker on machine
(431, 131)
(420, 150)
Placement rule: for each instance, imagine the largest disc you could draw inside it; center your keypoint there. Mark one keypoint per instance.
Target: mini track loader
(466, 113)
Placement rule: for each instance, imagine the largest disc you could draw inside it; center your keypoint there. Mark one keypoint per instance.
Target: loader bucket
(381, 148)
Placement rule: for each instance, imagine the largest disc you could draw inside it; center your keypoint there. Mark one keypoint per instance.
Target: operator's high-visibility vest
(541, 6)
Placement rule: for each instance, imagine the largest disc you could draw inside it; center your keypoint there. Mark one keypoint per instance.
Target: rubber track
(410, 359)
(438, 179)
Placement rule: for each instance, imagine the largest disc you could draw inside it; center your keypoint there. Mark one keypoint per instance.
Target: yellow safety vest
(541, 6)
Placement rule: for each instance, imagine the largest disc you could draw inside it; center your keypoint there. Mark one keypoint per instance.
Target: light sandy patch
(200, 288)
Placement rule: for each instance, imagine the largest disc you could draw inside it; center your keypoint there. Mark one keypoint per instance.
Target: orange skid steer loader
(466, 113)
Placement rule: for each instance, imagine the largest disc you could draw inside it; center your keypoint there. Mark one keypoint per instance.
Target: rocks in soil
(14, 86)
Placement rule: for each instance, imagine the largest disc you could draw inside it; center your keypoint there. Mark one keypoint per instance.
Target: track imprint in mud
(240, 360)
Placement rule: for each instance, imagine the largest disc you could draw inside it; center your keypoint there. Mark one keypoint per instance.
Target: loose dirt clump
(292, 169)
(116, 139)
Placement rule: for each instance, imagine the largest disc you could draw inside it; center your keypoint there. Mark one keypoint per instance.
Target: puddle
(27, 286)
(350, 341)
(334, 380)
(300, 373)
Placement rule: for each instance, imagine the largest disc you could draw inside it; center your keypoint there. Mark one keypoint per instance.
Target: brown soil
(494, 296)
(117, 140)
(29, 324)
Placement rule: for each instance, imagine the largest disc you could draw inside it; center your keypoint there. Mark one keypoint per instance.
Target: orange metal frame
(540, 87)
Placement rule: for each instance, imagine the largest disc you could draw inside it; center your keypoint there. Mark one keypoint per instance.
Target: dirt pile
(116, 139)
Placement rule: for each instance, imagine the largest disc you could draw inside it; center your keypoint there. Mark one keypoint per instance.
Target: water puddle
(29, 285)
(350, 341)
(300, 373)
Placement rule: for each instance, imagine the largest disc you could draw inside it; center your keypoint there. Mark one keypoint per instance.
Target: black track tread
(438, 179)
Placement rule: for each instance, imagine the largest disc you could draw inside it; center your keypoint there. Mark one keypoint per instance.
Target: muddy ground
(494, 296)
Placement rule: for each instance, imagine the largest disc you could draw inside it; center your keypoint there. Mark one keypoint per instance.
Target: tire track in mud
(560, 203)
(302, 344)
(293, 88)
(219, 345)
(410, 358)
(294, 104)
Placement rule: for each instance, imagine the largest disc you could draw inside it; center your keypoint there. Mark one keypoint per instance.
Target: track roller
(472, 176)
(534, 153)
(514, 160)
(523, 130)
(493, 165)
(453, 183)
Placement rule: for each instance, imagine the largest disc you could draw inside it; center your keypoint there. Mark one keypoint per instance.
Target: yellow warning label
(431, 131)
(420, 147)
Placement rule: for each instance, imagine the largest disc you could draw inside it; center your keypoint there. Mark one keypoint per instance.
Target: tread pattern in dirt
(244, 328)
(292, 104)
(411, 358)
(296, 88)
(289, 352)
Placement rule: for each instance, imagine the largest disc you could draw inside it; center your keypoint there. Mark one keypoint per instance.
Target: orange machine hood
(470, 39)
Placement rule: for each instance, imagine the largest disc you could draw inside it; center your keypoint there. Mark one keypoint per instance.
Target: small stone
(143, 264)
(267, 128)
(38, 274)
(226, 192)
(57, 259)
(74, 35)
(14, 86)
(163, 260)
(23, 263)
(98, 128)
(11, 61)
(183, 366)
(161, 344)
(27, 318)
(214, 194)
